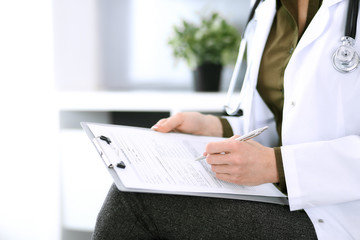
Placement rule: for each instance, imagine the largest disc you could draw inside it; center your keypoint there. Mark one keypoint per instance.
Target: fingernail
(154, 127)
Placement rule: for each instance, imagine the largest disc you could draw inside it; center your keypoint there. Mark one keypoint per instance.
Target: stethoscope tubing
(351, 18)
(251, 14)
(229, 109)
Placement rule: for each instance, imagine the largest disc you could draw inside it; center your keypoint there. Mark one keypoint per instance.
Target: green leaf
(213, 40)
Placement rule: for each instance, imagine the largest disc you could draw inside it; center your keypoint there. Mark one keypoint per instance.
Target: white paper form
(165, 161)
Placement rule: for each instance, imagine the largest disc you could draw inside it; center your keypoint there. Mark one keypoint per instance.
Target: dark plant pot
(207, 77)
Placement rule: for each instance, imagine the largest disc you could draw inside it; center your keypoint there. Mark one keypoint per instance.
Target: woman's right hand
(190, 122)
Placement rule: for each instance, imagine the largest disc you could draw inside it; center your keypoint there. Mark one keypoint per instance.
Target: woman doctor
(311, 150)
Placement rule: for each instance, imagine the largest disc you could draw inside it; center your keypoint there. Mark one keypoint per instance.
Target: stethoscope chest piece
(346, 59)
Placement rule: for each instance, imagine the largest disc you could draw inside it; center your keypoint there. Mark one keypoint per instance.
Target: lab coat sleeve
(261, 117)
(236, 124)
(322, 173)
(268, 138)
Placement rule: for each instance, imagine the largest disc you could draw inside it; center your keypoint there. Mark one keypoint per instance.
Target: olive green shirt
(282, 41)
(280, 45)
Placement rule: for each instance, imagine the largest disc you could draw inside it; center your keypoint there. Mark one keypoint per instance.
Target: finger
(168, 124)
(158, 124)
(222, 146)
(235, 179)
(217, 158)
(221, 168)
(226, 177)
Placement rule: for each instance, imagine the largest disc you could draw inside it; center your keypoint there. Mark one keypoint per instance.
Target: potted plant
(206, 48)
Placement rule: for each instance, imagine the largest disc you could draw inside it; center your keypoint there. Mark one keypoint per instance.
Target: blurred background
(67, 61)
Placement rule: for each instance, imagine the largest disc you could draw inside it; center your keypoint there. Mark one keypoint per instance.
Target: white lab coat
(321, 120)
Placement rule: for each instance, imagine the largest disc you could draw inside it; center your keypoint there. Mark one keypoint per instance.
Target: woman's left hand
(243, 163)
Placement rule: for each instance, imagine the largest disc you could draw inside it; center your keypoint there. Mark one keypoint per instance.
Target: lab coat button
(321, 220)
(293, 104)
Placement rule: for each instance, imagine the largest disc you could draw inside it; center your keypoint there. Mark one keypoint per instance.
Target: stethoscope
(345, 59)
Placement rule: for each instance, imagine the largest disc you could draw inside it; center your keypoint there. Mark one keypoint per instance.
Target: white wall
(76, 34)
(121, 44)
(139, 55)
(29, 186)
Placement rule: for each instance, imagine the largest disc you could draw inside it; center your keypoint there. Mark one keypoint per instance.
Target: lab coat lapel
(317, 25)
(263, 18)
(320, 25)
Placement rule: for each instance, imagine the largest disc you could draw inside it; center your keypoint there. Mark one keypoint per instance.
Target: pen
(243, 138)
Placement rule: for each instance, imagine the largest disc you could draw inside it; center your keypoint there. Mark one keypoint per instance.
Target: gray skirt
(127, 215)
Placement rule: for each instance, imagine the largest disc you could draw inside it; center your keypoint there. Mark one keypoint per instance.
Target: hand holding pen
(243, 164)
(243, 138)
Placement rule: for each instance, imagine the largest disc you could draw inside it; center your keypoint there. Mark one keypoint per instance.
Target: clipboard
(121, 166)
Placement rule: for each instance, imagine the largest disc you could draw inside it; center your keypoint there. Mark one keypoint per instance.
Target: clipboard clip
(121, 164)
(102, 155)
(106, 139)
